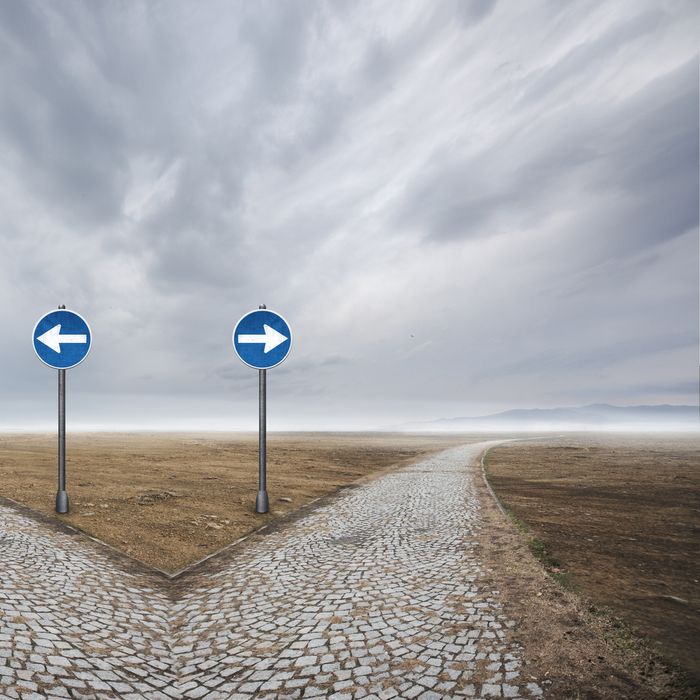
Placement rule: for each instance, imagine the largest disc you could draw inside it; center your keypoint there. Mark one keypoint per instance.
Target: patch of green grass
(550, 562)
(520, 524)
(539, 550)
(563, 579)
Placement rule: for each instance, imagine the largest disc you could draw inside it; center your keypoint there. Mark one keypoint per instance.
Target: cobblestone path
(376, 595)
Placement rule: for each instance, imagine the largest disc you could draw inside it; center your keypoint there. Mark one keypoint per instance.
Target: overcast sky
(460, 206)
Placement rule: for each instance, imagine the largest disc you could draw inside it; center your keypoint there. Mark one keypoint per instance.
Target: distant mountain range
(594, 416)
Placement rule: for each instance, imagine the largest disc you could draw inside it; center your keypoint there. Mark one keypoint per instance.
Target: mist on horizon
(153, 414)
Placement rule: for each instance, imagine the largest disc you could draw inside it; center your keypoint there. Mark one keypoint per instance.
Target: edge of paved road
(212, 561)
(496, 499)
(484, 454)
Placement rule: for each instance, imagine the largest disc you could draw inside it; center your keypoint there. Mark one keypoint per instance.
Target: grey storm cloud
(606, 148)
(459, 206)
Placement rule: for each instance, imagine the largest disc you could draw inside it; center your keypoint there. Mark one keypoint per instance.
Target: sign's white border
(34, 337)
(233, 338)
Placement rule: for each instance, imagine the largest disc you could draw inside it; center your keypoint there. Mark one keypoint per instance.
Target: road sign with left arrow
(262, 339)
(62, 339)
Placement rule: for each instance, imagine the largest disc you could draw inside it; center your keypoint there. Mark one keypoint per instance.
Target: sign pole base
(62, 502)
(262, 503)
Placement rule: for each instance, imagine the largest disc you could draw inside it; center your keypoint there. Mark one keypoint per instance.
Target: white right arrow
(53, 338)
(271, 338)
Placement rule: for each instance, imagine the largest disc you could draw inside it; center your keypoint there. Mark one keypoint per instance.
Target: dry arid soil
(617, 518)
(172, 499)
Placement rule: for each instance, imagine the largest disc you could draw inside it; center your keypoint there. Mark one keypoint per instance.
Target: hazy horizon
(461, 207)
(246, 421)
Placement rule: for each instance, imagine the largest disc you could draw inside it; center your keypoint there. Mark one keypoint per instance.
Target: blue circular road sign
(262, 339)
(62, 339)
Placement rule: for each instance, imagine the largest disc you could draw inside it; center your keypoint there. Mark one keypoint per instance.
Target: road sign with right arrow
(262, 339)
(62, 339)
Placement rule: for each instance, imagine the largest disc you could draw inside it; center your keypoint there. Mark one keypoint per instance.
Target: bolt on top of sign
(62, 339)
(262, 339)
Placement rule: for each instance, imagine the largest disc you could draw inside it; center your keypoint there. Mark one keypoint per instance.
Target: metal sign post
(61, 494)
(262, 503)
(62, 340)
(262, 339)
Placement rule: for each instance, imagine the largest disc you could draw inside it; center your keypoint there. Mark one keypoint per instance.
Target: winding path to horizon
(376, 594)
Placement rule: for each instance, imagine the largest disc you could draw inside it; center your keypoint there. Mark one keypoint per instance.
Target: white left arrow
(271, 338)
(53, 338)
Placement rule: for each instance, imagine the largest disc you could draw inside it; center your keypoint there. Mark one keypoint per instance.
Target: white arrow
(53, 338)
(271, 338)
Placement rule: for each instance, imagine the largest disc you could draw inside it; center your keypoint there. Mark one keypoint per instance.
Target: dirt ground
(618, 517)
(169, 500)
